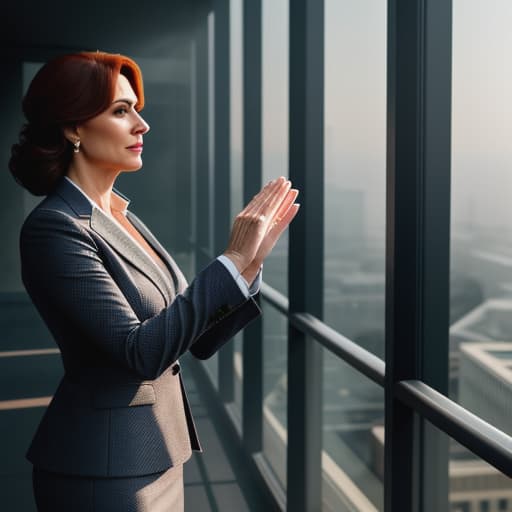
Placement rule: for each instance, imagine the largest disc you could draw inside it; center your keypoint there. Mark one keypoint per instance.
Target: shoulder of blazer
(67, 201)
(67, 198)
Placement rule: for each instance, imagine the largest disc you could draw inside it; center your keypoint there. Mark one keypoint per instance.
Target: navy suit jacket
(121, 322)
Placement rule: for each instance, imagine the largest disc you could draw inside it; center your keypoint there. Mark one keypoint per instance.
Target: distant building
(486, 382)
(490, 321)
(474, 486)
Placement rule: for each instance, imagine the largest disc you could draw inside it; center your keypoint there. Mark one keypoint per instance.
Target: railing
(486, 441)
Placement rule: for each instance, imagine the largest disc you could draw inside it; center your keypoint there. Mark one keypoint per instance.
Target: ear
(71, 133)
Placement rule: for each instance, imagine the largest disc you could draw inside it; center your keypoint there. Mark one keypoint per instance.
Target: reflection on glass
(238, 374)
(275, 120)
(481, 241)
(355, 172)
(275, 391)
(353, 439)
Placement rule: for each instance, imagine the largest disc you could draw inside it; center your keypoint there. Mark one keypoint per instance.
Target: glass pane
(275, 120)
(481, 241)
(355, 169)
(275, 392)
(353, 439)
(474, 485)
(236, 145)
(236, 105)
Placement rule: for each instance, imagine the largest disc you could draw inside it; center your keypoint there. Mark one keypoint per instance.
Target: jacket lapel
(129, 249)
(180, 282)
(118, 238)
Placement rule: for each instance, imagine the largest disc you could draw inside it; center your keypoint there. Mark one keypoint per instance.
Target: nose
(141, 126)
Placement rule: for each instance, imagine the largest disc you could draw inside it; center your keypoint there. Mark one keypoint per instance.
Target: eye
(121, 111)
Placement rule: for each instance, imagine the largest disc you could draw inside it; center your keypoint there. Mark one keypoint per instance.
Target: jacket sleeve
(67, 280)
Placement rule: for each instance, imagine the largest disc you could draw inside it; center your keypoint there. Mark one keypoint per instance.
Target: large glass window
(353, 439)
(275, 23)
(275, 120)
(355, 193)
(275, 390)
(355, 169)
(473, 484)
(481, 240)
(236, 154)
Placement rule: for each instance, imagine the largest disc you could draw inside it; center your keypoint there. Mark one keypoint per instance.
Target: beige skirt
(160, 492)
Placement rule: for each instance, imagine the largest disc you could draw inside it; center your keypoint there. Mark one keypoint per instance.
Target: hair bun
(40, 158)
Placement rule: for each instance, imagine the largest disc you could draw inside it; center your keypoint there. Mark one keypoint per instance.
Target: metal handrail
(486, 441)
(365, 362)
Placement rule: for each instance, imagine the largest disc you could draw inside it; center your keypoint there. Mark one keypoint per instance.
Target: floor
(30, 368)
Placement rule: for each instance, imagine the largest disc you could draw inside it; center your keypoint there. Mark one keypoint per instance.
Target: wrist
(236, 259)
(250, 273)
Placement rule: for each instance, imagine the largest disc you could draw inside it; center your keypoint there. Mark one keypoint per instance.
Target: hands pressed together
(259, 225)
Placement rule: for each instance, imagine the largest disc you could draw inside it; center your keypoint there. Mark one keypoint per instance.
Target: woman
(119, 427)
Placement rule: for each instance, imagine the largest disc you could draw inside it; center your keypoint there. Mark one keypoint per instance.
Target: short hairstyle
(65, 92)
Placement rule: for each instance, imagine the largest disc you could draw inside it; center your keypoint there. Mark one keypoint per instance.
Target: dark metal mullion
(252, 404)
(434, 364)
(306, 255)
(402, 266)
(417, 263)
(221, 184)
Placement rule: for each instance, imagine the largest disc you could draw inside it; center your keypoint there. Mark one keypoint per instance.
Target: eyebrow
(125, 100)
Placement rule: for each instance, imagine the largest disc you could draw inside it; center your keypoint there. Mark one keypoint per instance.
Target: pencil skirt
(159, 492)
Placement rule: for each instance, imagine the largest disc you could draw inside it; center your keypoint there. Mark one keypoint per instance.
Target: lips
(139, 145)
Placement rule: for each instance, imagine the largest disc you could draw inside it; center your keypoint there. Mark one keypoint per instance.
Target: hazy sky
(355, 103)
(482, 113)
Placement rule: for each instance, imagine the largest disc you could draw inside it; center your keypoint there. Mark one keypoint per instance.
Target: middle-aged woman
(119, 427)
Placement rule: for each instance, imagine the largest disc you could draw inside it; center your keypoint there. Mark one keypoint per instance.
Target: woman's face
(113, 139)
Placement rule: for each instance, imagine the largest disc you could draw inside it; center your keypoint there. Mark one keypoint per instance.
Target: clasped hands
(259, 225)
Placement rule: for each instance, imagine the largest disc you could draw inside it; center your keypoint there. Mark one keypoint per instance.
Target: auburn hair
(65, 92)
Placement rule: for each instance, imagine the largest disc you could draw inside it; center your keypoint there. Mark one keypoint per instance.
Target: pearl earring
(76, 147)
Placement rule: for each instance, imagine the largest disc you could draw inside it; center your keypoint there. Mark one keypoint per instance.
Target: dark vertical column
(252, 404)
(436, 248)
(200, 145)
(12, 211)
(418, 237)
(221, 183)
(306, 253)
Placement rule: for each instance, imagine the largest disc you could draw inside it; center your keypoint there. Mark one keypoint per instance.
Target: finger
(251, 224)
(270, 207)
(283, 223)
(262, 210)
(290, 198)
(259, 197)
(262, 198)
(274, 234)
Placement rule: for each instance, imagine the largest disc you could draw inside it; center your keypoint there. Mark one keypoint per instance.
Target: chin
(133, 167)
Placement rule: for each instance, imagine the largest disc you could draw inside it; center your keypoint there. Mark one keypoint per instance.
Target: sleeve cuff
(248, 291)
